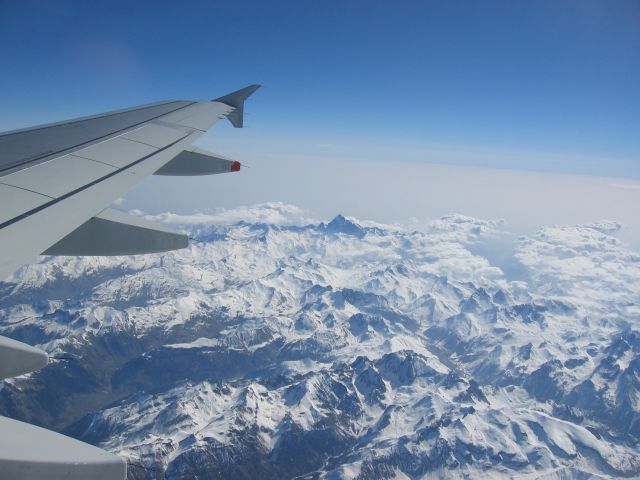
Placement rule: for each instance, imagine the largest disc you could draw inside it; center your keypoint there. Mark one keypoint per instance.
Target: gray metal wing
(60, 176)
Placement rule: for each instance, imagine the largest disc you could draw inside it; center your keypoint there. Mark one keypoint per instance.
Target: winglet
(236, 100)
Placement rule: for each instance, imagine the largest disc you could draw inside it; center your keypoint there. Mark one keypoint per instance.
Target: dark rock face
(340, 224)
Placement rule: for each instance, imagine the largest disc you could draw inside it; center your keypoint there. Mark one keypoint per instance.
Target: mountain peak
(342, 224)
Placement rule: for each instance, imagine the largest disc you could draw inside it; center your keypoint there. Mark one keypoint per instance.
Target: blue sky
(539, 85)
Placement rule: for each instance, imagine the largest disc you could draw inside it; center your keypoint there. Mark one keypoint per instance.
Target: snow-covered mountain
(279, 347)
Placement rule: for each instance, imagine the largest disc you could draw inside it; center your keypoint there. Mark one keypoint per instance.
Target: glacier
(279, 346)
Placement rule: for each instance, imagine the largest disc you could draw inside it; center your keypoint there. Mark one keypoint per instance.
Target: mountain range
(277, 346)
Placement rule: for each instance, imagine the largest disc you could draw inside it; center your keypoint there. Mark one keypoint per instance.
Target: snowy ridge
(277, 346)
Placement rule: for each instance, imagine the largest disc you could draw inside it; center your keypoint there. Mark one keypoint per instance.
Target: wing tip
(236, 100)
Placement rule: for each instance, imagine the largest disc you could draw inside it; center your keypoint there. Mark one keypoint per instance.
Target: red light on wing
(235, 166)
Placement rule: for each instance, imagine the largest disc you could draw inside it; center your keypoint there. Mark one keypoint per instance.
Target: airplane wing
(56, 184)
(57, 180)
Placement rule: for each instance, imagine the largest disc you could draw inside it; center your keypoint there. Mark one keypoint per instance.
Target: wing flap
(117, 233)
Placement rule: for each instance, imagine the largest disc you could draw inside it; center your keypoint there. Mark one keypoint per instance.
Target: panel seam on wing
(26, 190)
